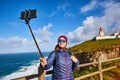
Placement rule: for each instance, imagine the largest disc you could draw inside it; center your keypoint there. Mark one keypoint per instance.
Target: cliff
(92, 50)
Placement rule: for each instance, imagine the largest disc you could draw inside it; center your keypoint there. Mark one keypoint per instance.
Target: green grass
(95, 45)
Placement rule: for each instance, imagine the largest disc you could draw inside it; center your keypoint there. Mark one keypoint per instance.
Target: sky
(79, 20)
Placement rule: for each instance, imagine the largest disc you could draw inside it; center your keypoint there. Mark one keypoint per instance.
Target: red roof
(101, 29)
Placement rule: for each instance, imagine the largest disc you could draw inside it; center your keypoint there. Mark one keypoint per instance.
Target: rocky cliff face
(108, 53)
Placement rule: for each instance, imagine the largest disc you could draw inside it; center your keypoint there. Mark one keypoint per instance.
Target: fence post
(100, 70)
(41, 73)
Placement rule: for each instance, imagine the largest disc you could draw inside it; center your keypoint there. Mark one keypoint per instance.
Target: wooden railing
(41, 73)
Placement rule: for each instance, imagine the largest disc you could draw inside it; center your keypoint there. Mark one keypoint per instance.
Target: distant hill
(95, 45)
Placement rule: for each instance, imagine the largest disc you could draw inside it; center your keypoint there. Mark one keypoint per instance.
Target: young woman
(62, 60)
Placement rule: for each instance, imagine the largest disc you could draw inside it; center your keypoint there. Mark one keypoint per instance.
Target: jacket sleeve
(75, 64)
(50, 60)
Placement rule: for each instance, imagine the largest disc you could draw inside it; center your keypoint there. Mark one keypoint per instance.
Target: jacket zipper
(65, 57)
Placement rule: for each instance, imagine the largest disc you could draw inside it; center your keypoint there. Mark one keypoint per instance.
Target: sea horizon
(1, 53)
(19, 64)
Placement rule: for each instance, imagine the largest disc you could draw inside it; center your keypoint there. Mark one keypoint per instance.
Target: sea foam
(25, 71)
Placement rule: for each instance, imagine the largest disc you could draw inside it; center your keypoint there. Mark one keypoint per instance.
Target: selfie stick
(27, 22)
(27, 16)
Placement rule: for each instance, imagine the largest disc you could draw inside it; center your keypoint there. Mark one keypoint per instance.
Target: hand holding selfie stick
(27, 16)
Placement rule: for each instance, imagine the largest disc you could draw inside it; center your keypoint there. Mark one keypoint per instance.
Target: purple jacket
(63, 66)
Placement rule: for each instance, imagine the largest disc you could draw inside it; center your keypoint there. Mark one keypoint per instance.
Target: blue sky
(79, 20)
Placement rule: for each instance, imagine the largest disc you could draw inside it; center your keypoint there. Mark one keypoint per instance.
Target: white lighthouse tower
(101, 32)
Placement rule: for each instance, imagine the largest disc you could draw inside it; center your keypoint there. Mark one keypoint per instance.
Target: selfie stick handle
(27, 22)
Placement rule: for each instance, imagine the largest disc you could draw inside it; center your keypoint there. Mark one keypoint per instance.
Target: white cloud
(45, 34)
(68, 14)
(88, 7)
(111, 15)
(117, 26)
(15, 44)
(110, 22)
(63, 6)
(83, 32)
(53, 13)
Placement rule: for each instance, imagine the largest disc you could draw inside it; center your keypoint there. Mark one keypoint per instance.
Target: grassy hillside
(94, 45)
(97, 45)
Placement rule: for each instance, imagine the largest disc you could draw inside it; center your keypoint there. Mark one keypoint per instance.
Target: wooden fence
(41, 73)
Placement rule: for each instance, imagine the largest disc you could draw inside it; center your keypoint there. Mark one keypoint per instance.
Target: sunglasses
(61, 40)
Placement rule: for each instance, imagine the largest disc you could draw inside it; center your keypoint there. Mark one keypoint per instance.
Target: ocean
(20, 64)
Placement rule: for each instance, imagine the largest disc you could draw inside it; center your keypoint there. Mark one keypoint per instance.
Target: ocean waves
(30, 64)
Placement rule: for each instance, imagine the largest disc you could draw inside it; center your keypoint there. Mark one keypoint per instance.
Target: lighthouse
(101, 32)
(103, 36)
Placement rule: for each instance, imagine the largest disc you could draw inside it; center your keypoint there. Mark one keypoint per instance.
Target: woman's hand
(74, 59)
(43, 62)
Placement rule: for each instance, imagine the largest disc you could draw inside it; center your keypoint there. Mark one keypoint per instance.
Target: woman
(62, 60)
